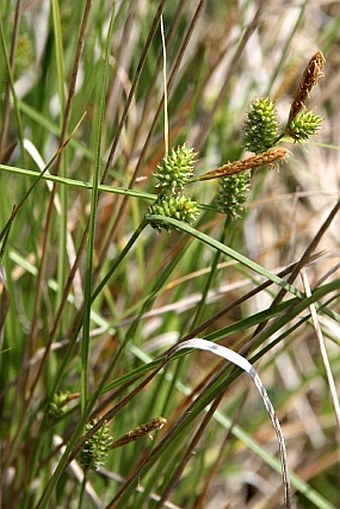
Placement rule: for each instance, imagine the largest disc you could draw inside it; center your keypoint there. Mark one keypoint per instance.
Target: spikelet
(176, 206)
(270, 156)
(176, 169)
(96, 448)
(233, 194)
(59, 404)
(260, 126)
(304, 125)
(310, 78)
(139, 432)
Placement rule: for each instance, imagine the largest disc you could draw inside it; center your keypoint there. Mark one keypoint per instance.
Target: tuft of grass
(119, 117)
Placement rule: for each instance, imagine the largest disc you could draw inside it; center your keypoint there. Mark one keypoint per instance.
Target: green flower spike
(178, 206)
(176, 169)
(96, 448)
(59, 404)
(233, 194)
(304, 125)
(260, 126)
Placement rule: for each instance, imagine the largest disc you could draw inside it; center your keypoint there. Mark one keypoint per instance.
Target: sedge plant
(145, 269)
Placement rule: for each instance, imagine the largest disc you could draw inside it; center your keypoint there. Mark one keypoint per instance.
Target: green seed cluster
(176, 169)
(260, 127)
(304, 125)
(178, 206)
(58, 406)
(96, 448)
(233, 194)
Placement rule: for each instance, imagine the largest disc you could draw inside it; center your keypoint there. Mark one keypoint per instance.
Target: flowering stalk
(310, 78)
(268, 157)
(139, 432)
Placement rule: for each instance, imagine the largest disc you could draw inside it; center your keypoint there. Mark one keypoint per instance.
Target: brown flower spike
(268, 157)
(310, 77)
(140, 431)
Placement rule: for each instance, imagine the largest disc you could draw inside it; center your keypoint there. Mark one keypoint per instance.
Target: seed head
(59, 404)
(233, 194)
(95, 450)
(178, 206)
(304, 125)
(310, 77)
(176, 169)
(260, 127)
